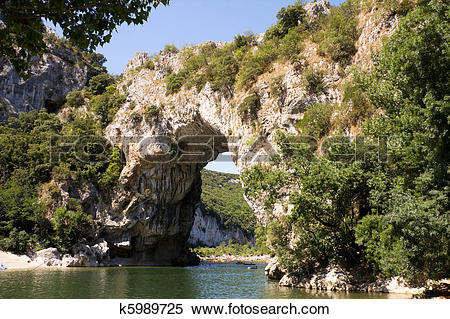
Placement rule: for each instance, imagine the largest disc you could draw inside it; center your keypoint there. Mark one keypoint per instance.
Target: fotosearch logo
(202, 149)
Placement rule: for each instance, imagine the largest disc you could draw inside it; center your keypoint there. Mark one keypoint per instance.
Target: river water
(227, 281)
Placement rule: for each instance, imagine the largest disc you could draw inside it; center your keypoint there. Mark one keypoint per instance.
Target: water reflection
(206, 281)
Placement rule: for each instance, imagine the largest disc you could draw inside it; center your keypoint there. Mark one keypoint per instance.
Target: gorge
(168, 115)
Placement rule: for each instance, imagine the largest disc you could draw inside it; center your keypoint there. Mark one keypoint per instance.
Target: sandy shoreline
(12, 261)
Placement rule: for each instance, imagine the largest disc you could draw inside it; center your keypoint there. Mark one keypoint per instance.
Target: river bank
(232, 258)
(11, 261)
(334, 278)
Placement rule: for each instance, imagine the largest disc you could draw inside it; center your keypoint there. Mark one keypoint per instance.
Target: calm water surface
(205, 281)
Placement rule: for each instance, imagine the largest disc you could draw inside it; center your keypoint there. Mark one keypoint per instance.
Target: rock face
(274, 270)
(54, 75)
(208, 230)
(153, 209)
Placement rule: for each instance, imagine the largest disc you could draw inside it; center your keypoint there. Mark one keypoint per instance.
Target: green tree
(86, 23)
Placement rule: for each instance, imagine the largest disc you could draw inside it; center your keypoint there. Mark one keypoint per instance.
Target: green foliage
(292, 44)
(249, 108)
(216, 65)
(288, 18)
(230, 249)
(75, 99)
(97, 85)
(149, 65)
(356, 101)
(86, 24)
(245, 40)
(256, 63)
(106, 104)
(316, 120)
(135, 117)
(222, 73)
(410, 240)
(277, 87)
(170, 48)
(70, 224)
(25, 166)
(110, 178)
(314, 80)
(174, 83)
(222, 194)
(151, 111)
(339, 33)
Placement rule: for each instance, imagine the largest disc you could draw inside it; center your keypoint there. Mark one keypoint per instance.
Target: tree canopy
(86, 23)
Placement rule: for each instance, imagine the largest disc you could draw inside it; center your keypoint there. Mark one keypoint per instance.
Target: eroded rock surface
(54, 75)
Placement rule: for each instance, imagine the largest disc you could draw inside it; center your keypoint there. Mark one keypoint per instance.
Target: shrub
(70, 224)
(292, 44)
(151, 111)
(249, 108)
(135, 117)
(222, 73)
(149, 65)
(170, 48)
(356, 100)
(174, 83)
(98, 84)
(111, 176)
(314, 80)
(245, 40)
(107, 104)
(288, 18)
(339, 33)
(277, 87)
(255, 64)
(74, 99)
(317, 120)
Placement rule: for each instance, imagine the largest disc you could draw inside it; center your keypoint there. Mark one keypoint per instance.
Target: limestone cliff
(54, 74)
(209, 230)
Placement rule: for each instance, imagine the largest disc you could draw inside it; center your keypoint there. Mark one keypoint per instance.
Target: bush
(292, 44)
(174, 83)
(111, 176)
(107, 104)
(151, 111)
(249, 108)
(245, 40)
(74, 99)
(222, 73)
(136, 118)
(314, 80)
(98, 84)
(170, 48)
(409, 240)
(255, 64)
(317, 120)
(70, 224)
(288, 18)
(339, 33)
(277, 87)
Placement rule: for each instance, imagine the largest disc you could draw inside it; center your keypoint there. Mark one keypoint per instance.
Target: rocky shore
(334, 278)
